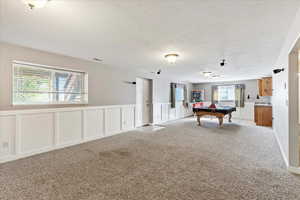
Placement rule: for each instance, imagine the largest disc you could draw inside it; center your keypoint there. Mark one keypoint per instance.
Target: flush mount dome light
(206, 74)
(171, 58)
(35, 3)
(216, 76)
(97, 59)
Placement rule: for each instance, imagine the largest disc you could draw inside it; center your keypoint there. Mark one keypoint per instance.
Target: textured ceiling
(136, 34)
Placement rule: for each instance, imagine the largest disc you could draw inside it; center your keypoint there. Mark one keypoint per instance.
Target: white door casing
(143, 101)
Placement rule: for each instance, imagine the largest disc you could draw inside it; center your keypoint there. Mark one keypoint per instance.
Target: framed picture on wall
(198, 95)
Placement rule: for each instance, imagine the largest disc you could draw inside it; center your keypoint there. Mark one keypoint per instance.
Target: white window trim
(50, 68)
(230, 100)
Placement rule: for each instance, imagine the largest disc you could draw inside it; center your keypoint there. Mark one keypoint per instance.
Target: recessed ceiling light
(207, 73)
(171, 58)
(35, 3)
(97, 59)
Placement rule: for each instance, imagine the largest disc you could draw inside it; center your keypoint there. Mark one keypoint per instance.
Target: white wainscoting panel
(7, 135)
(112, 121)
(237, 113)
(93, 124)
(172, 113)
(69, 127)
(247, 112)
(36, 132)
(128, 118)
(28, 132)
(177, 111)
(165, 112)
(156, 113)
(138, 115)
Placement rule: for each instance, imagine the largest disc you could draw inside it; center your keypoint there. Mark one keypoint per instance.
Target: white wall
(281, 101)
(251, 88)
(107, 85)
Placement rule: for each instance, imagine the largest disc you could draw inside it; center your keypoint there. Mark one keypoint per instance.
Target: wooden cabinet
(263, 115)
(265, 86)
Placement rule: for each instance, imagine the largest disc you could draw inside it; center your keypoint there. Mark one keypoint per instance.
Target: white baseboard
(281, 150)
(60, 146)
(89, 139)
(26, 154)
(292, 169)
(170, 120)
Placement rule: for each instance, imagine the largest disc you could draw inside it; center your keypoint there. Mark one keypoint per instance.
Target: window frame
(182, 96)
(53, 68)
(226, 85)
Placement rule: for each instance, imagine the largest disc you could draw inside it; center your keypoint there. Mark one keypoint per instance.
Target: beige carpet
(182, 161)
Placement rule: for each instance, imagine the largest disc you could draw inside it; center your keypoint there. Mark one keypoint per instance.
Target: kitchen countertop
(263, 104)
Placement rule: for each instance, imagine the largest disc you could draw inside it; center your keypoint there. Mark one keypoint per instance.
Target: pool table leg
(230, 116)
(220, 121)
(198, 120)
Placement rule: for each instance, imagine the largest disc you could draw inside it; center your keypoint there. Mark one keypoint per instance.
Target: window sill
(41, 106)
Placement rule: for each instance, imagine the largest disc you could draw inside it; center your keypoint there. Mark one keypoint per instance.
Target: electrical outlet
(5, 147)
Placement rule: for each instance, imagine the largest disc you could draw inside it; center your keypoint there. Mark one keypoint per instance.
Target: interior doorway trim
(293, 110)
(144, 101)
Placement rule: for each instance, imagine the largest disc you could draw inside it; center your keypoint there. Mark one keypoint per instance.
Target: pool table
(218, 112)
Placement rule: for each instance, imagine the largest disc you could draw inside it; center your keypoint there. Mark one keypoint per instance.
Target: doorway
(293, 107)
(144, 102)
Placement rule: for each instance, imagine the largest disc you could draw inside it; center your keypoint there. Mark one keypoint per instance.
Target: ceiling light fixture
(207, 74)
(97, 59)
(35, 3)
(223, 63)
(171, 58)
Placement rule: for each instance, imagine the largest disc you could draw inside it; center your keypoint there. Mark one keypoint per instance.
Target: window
(42, 85)
(226, 93)
(179, 94)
